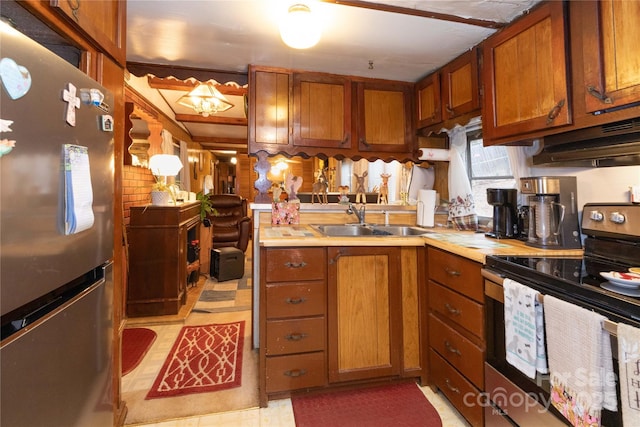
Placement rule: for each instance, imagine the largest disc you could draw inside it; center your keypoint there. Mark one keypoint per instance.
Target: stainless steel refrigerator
(56, 240)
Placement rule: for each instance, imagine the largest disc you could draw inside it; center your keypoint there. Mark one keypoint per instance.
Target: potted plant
(161, 193)
(206, 208)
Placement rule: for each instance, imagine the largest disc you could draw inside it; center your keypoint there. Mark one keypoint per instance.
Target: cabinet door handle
(451, 349)
(346, 139)
(449, 110)
(294, 301)
(295, 336)
(364, 142)
(295, 373)
(599, 95)
(295, 264)
(452, 310)
(454, 273)
(450, 387)
(554, 112)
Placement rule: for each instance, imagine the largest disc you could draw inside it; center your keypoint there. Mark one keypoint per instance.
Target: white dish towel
(629, 363)
(580, 361)
(524, 329)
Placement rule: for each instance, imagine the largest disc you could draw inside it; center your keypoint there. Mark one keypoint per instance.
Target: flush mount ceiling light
(300, 29)
(205, 99)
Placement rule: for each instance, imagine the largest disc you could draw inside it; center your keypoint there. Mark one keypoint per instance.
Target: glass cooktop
(576, 277)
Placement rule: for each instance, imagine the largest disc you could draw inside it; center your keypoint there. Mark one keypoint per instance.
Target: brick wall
(136, 188)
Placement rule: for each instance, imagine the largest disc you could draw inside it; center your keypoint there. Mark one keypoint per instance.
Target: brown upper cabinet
(610, 54)
(311, 114)
(270, 95)
(102, 21)
(450, 92)
(321, 110)
(384, 119)
(526, 88)
(460, 93)
(428, 101)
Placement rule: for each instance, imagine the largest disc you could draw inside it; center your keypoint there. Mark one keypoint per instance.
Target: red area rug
(203, 359)
(135, 344)
(391, 405)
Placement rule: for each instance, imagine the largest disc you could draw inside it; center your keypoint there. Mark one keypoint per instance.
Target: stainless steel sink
(358, 230)
(400, 230)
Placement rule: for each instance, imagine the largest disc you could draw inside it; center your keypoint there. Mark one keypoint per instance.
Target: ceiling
(402, 40)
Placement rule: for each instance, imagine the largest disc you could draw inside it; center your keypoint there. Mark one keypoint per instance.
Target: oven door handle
(493, 285)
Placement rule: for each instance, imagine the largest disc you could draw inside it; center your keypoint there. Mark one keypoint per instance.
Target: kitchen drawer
(457, 308)
(295, 372)
(296, 300)
(464, 355)
(460, 274)
(295, 336)
(296, 264)
(460, 392)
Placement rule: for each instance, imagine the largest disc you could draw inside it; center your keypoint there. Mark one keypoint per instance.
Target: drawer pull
(450, 387)
(295, 264)
(451, 349)
(294, 373)
(452, 310)
(454, 273)
(294, 301)
(295, 337)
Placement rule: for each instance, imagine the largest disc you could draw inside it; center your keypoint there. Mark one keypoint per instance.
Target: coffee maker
(553, 211)
(505, 215)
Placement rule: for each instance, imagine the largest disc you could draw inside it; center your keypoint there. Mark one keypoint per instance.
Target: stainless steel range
(612, 244)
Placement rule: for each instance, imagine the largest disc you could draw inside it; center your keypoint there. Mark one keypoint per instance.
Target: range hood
(613, 144)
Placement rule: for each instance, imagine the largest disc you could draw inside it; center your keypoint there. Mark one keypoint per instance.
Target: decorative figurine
(320, 187)
(292, 185)
(344, 194)
(276, 191)
(383, 192)
(360, 187)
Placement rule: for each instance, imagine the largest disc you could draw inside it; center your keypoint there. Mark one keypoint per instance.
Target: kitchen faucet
(359, 213)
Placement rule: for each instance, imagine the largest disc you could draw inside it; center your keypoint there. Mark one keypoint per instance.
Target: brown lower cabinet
(334, 316)
(456, 331)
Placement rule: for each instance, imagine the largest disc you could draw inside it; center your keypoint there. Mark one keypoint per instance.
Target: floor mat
(390, 405)
(203, 359)
(136, 342)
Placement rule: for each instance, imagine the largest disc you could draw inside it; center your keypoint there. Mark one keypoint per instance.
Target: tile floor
(279, 413)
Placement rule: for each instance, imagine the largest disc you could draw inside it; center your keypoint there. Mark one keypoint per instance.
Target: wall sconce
(300, 29)
(205, 99)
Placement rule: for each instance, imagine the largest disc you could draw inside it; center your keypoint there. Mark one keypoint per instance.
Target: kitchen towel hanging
(426, 208)
(524, 329)
(629, 363)
(580, 362)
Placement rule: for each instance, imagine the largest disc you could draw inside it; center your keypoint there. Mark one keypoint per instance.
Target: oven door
(523, 400)
(511, 394)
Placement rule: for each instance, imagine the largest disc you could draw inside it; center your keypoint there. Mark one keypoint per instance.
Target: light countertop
(471, 245)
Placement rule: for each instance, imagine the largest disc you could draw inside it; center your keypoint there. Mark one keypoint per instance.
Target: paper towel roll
(434, 154)
(426, 208)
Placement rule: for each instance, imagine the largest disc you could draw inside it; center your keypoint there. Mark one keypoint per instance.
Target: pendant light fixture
(300, 28)
(205, 99)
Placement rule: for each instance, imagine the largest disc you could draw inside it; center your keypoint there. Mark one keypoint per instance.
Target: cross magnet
(73, 102)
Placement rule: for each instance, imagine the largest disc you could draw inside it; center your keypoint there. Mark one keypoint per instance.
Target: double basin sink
(366, 230)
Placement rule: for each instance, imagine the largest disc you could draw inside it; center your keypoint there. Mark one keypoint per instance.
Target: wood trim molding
(186, 85)
(418, 12)
(215, 120)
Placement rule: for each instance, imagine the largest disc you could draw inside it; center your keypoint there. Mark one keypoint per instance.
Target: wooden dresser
(456, 331)
(158, 265)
